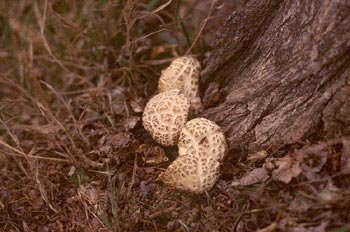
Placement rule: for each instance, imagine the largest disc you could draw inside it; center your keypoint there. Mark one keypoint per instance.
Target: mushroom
(164, 116)
(202, 146)
(183, 73)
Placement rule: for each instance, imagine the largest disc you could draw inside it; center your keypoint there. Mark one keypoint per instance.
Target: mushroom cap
(183, 73)
(202, 146)
(164, 116)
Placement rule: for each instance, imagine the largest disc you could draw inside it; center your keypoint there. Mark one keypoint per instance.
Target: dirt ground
(74, 79)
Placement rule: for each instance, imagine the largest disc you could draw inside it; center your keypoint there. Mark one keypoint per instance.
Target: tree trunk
(279, 73)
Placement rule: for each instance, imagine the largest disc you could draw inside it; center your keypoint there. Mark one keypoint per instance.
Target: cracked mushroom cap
(202, 146)
(164, 116)
(183, 73)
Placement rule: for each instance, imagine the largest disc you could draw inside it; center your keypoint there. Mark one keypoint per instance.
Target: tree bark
(279, 73)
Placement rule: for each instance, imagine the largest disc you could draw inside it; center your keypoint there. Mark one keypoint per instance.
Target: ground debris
(257, 156)
(290, 226)
(256, 176)
(285, 168)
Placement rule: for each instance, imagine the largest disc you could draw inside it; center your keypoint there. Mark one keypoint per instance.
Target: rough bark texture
(280, 73)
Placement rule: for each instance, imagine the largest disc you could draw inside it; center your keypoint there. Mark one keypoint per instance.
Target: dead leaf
(131, 122)
(89, 193)
(256, 176)
(118, 96)
(300, 205)
(255, 157)
(156, 156)
(144, 188)
(136, 105)
(152, 155)
(312, 160)
(120, 140)
(330, 193)
(287, 169)
(328, 196)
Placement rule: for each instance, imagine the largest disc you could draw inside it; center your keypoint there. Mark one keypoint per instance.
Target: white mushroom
(202, 146)
(164, 116)
(183, 73)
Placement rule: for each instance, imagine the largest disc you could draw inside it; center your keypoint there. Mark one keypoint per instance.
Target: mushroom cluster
(164, 116)
(183, 73)
(201, 143)
(201, 148)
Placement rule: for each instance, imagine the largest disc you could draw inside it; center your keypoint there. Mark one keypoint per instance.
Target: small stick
(24, 155)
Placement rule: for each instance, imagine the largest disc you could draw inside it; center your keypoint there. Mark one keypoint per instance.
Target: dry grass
(74, 78)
